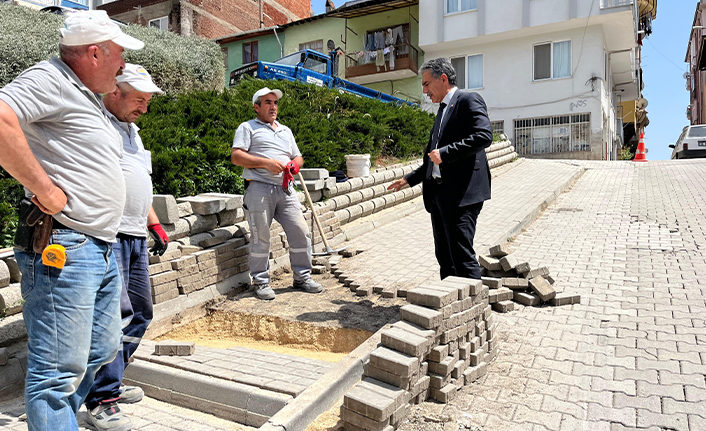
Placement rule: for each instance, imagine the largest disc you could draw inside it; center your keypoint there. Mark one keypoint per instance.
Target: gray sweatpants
(265, 202)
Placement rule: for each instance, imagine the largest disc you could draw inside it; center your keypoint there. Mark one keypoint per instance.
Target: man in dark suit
(455, 171)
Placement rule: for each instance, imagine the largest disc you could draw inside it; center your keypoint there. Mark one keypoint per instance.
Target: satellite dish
(331, 45)
(686, 75)
(641, 103)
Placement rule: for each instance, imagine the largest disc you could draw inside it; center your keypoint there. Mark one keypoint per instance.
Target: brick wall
(240, 15)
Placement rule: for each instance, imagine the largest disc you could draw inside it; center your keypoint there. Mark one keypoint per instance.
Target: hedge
(190, 135)
(177, 64)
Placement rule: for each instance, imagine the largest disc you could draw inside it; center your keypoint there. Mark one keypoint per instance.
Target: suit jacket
(465, 134)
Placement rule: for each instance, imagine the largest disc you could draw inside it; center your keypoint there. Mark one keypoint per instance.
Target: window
(316, 45)
(316, 64)
(224, 50)
(160, 23)
(473, 79)
(559, 134)
(459, 65)
(475, 71)
(249, 52)
(552, 60)
(498, 126)
(460, 5)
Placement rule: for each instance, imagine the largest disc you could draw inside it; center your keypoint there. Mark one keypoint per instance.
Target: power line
(588, 19)
(681, 68)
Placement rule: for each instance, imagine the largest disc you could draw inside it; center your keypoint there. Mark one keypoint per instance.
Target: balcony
(362, 70)
(606, 4)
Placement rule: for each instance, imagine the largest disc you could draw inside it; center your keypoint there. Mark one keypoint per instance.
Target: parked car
(691, 143)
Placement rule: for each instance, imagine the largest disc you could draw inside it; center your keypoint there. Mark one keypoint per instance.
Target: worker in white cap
(123, 107)
(59, 144)
(268, 152)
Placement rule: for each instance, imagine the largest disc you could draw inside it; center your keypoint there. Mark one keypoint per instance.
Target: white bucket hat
(94, 26)
(263, 92)
(138, 78)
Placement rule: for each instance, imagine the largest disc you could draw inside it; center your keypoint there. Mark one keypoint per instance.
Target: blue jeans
(72, 317)
(136, 310)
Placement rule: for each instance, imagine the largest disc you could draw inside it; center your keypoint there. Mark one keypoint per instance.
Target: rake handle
(313, 211)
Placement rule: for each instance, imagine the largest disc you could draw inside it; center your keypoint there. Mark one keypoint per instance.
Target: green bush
(11, 192)
(177, 64)
(190, 135)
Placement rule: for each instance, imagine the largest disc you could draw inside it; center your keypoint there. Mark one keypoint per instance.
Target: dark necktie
(437, 125)
(435, 135)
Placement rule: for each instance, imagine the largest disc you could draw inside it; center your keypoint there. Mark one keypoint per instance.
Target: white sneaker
(130, 394)
(108, 417)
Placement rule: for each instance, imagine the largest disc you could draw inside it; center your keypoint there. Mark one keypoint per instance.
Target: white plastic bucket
(358, 165)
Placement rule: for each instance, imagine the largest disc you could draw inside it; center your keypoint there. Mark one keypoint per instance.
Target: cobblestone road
(630, 239)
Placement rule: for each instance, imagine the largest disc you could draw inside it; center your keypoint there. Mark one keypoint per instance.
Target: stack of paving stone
(500, 153)
(315, 181)
(444, 341)
(510, 280)
(10, 291)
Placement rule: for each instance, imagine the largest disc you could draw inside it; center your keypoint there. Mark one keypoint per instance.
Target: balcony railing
(405, 57)
(605, 4)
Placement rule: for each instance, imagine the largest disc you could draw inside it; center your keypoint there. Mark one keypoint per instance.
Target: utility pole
(262, 18)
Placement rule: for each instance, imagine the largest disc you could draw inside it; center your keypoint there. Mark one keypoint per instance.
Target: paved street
(629, 238)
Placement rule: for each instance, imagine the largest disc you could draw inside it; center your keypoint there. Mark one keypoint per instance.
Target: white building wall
(511, 93)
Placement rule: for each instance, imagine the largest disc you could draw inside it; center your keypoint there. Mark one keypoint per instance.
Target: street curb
(328, 389)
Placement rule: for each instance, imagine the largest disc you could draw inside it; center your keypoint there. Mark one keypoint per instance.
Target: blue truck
(311, 67)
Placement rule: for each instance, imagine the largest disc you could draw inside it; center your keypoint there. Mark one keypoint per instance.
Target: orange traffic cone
(641, 154)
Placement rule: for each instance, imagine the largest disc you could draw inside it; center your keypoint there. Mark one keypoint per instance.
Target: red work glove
(290, 170)
(161, 240)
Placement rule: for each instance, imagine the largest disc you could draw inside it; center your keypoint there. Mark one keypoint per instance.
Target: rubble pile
(511, 280)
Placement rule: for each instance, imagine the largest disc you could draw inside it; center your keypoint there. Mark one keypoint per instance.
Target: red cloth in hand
(290, 170)
(161, 240)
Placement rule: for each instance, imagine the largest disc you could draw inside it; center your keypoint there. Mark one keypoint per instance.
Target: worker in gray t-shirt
(267, 150)
(122, 107)
(57, 142)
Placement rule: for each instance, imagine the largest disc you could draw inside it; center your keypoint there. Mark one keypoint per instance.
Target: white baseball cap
(138, 78)
(94, 26)
(265, 91)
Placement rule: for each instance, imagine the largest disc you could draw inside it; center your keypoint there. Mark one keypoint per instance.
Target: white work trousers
(265, 202)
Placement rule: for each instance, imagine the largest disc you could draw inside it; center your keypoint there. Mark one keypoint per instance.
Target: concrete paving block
(318, 269)
(523, 268)
(493, 296)
(421, 385)
(183, 262)
(166, 296)
(158, 268)
(458, 369)
(4, 274)
(369, 403)
(364, 290)
(163, 278)
(443, 367)
(266, 402)
(438, 353)
(526, 298)
(165, 206)
(509, 262)
(422, 316)
(445, 394)
(212, 241)
(11, 300)
(505, 294)
(389, 292)
(492, 282)
(232, 201)
(504, 306)
(542, 288)
(490, 263)
(500, 250)
(404, 342)
(229, 217)
(429, 334)
(394, 362)
(199, 223)
(184, 209)
(565, 299)
(376, 373)
(4, 356)
(515, 283)
(549, 279)
(174, 348)
(314, 174)
(431, 298)
(543, 271)
(178, 230)
(204, 205)
(362, 422)
(15, 274)
(474, 373)
(189, 249)
(464, 350)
